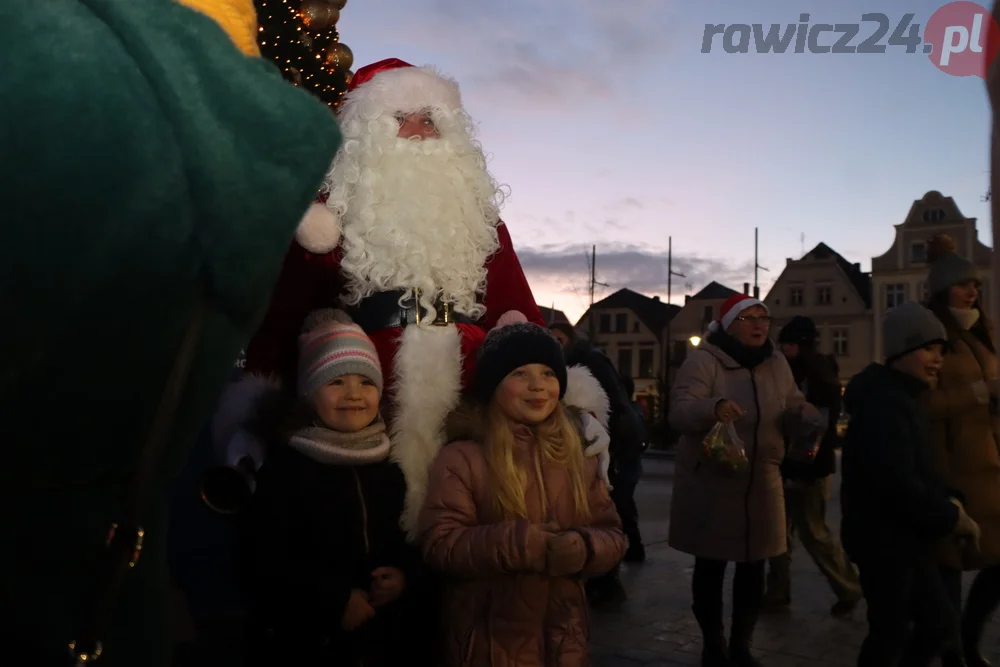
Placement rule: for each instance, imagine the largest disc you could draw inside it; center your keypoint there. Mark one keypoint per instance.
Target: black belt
(384, 310)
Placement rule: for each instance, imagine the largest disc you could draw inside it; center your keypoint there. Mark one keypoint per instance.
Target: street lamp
(695, 340)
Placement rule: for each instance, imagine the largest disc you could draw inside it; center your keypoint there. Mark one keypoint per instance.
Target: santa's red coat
(309, 282)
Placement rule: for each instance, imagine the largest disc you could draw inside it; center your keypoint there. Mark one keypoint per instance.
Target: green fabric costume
(145, 162)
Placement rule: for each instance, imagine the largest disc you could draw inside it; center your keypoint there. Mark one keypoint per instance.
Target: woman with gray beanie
(963, 414)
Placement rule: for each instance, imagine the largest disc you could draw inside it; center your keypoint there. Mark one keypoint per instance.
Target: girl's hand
(358, 612)
(388, 584)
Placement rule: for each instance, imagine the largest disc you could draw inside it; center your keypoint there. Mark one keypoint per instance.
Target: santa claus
(409, 241)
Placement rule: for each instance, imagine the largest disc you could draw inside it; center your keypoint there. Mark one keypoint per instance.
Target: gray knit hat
(908, 327)
(332, 345)
(947, 267)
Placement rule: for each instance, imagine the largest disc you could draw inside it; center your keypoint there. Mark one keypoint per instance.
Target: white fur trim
(583, 391)
(738, 308)
(236, 405)
(319, 230)
(597, 442)
(403, 90)
(713, 326)
(427, 375)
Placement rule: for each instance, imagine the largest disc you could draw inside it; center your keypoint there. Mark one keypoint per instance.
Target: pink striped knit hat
(332, 345)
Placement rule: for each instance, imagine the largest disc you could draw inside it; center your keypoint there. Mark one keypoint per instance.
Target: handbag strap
(125, 538)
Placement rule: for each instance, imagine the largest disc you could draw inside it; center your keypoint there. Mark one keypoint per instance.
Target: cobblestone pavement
(656, 629)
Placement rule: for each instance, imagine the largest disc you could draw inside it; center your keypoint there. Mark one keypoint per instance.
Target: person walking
(963, 412)
(734, 512)
(895, 505)
(807, 484)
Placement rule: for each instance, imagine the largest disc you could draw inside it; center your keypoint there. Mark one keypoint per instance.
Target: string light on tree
(301, 37)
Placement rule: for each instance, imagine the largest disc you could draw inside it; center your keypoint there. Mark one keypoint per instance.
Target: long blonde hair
(557, 440)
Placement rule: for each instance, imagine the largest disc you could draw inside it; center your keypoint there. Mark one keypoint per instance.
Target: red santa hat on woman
(390, 86)
(732, 308)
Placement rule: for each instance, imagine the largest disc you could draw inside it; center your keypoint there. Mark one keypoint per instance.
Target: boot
(745, 613)
(713, 635)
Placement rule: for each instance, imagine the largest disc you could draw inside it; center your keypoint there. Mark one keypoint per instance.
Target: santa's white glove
(597, 442)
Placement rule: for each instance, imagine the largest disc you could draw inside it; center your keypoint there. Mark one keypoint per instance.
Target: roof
(713, 290)
(551, 316)
(650, 310)
(861, 281)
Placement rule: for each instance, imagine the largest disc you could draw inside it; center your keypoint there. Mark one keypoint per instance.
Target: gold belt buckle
(444, 317)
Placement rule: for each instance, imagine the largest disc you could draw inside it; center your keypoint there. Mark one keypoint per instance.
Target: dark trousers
(625, 482)
(748, 596)
(901, 588)
(624, 479)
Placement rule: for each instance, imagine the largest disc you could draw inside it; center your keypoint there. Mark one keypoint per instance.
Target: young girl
(515, 516)
(333, 570)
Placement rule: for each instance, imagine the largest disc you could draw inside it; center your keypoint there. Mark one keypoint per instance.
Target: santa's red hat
(732, 308)
(395, 86)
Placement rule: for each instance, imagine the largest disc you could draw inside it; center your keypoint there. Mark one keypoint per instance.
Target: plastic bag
(724, 448)
(806, 434)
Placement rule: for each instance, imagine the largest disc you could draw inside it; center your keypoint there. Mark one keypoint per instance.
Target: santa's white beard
(415, 214)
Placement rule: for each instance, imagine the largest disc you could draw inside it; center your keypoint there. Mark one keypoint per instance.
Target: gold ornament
(349, 76)
(318, 15)
(339, 57)
(337, 4)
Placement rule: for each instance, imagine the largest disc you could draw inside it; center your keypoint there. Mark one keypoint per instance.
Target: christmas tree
(301, 37)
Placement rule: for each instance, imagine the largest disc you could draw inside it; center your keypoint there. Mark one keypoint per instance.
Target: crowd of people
(920, 474)
(432, 474)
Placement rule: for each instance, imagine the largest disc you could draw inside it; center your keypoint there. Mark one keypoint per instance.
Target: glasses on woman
(756, 319)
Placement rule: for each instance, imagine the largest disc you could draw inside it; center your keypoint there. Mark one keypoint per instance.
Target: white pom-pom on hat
(511, 317)
(319, 230)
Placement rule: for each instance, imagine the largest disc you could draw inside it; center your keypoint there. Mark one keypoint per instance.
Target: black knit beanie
(800, 331)
(512, 343)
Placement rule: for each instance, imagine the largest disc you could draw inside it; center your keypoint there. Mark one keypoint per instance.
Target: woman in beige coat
(963, 413)
(717, 514)
(515, 516)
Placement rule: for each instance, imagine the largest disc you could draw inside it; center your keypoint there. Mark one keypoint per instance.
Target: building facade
(629, 327)
(837, 295)
(900, 274)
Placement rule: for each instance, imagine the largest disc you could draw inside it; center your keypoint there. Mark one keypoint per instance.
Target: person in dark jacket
(895, 507)
(807, 485)
(628, 472)
(335, 582)
(626, 446)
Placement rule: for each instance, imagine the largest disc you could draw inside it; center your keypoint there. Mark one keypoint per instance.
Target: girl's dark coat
(318, 531)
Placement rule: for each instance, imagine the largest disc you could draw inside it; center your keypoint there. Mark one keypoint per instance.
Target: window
(604, 325)
(646, 369)
(895, 294)
(824, 295)
(841, 347)
(923, 291)
(709, 314)
(795, 296)
(625, 361)
(621, 323)
(918, 253)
